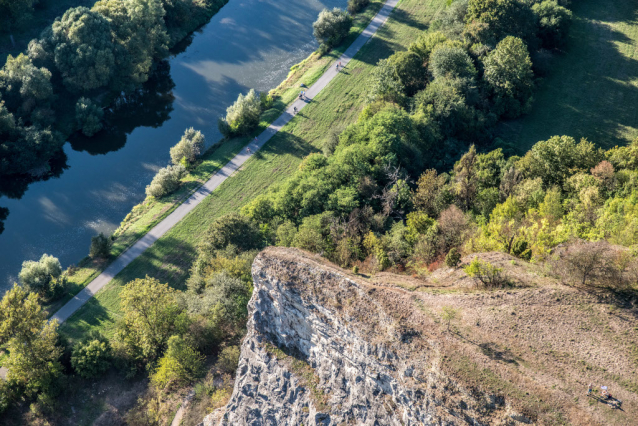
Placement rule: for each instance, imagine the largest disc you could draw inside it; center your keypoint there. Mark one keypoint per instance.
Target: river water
(247, 44)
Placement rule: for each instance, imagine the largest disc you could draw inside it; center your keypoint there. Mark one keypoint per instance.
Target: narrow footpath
(178, 214)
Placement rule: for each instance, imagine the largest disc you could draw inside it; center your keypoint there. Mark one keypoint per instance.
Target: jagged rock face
(344, 359)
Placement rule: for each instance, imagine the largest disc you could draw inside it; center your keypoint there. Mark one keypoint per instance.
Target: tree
(553, 22)
(166, 181)
(36, 276)
(180, 365)
(489, 21)
(590, 264)
(23, 85)
(242, 116)
(33, 365)
(508, 72)
(100, 246)
(331, 27)
(189, 147)
(354, 6)
(451, 62)
(83, 49)
(431, 193)
(139, 36)
(449, 314)
(92, 357)
(232, 229)
(386, 85)
(151, 314)
(88, 116)
(228, 359)
(15, 13)
(426, 42)
(409, 70)
(465, 178)
(453, 258)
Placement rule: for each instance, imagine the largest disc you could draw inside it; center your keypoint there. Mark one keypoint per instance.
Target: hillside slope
(326, 347)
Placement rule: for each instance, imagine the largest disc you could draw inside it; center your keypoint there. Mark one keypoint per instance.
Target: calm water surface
(248, 44)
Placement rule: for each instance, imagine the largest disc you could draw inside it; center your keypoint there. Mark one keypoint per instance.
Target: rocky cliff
(329, 348)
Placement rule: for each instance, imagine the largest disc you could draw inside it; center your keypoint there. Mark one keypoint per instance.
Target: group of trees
(112, 47)
(332, 26)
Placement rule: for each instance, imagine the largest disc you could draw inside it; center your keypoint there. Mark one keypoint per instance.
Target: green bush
(233, 229)
(189, 147)
(241, 117)
(354, 6)
(37, 276)
(166, 181)
(425, 44)
(92, 357)
(100, 246)
(88, 116)
(486, 273)
(332, 27)
(180, 365)
(228, 359)
(453, 258)
(451, 62)
(553, 21)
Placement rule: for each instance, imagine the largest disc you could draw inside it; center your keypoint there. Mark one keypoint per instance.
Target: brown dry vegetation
(530, 349)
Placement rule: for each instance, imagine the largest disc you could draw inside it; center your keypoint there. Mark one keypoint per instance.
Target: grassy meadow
(591, 89)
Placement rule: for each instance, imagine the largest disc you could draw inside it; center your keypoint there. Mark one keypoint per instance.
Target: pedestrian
(294, 110)
(248, 150)
(340, 64)
(337, 67)
(255, 140)
(590, 389)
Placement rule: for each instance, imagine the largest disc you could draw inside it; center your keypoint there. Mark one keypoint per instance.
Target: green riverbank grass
(592, 89)
(144, 216)
(338, 105)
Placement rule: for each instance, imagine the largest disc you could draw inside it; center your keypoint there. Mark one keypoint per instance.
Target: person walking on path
(294, 109)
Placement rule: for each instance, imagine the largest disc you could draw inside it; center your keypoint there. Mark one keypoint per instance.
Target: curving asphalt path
(178, 214)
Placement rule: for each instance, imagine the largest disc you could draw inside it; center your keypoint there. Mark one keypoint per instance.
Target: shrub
(180, 365)
(589, 264)
(92, 357)
(354, 6)
(228, 359)
(489, 275)
(453, 258)
(331, 142)
(451, 61)
(37, 276)
(425, 44)
(553, 21)
(166, 181)
(449, 314)
(189, 147)
(233, 229)
(88, 116)
(331, 27)
(385, 85)
(100, 246)
(242, 116)
(522, 250)
(355, 269)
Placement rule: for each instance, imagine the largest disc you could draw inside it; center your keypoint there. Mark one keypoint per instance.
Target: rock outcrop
(321, 349)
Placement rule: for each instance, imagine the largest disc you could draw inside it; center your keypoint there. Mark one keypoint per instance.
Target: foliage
(449, 314)
(355, 6)
(180, 365)
(331, 27)
(408, 70)
(92, 357)
(189, 147)
(486, 273)
(33, 365)
(452, 62)
(489, 21)
(228, 359)
(553, 21)
(37, 276)
(233, 229)
(15, 13)
(100, 246)
(241, 117)
(25, 88)
(508, 72)
(88, 116)
(385, 85)
(590, 264)
(151, 314)
(426, 42)
(453, 258)
(166, 181)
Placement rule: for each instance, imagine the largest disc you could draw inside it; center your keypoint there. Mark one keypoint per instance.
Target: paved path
(178, 214)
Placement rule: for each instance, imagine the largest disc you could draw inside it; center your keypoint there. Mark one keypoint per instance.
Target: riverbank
(150, 212)
(339, 104)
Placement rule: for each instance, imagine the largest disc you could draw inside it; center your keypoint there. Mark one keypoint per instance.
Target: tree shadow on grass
(285, 143)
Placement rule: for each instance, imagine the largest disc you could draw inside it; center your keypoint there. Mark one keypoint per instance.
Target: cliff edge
(326, 347)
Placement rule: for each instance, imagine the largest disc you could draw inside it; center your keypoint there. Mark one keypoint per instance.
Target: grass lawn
(338, 105)
(592, 88)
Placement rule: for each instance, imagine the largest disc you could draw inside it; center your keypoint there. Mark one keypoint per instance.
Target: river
(247, 44)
